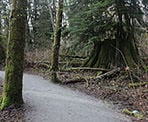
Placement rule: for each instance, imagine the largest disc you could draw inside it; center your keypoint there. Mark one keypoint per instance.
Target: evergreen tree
(39, 25)
(111, 26)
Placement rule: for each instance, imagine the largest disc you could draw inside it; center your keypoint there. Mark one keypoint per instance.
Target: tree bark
(51, 14)
(12, 91)
(56, 43)
(104, 54)
(118, 52)
(2, 50)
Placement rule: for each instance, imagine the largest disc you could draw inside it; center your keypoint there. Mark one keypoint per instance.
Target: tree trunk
(104, 54)
(121, 51)
(51, 11)
(56, 43)
(34, 21)
(12, 91)
(2, 50)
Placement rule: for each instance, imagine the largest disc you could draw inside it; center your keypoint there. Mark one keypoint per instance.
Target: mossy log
(108, 75)
(73, 56)
(77, 80)
(89, 69)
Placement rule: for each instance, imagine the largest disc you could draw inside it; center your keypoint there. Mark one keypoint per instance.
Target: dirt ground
(116, 90)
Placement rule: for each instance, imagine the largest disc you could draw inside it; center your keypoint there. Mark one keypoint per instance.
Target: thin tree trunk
(51, 14)
(2, 50)
(0, 21)
(12, 91)
(29, 43)
(34, 21)
(56, 43)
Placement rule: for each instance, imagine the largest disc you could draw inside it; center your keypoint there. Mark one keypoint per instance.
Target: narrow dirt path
(48, 102)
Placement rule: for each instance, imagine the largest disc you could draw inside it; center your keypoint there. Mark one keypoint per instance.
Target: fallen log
(89, 68)
(42, 65)
(39, 64)
(74, 81)
(107, 75)
(72, 56)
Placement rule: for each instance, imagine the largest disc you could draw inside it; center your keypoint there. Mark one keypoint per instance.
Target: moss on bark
(104, 54)
(12, 91)
(56, 43)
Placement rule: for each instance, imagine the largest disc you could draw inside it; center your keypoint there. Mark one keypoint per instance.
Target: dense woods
(92, 41)
(112, 27)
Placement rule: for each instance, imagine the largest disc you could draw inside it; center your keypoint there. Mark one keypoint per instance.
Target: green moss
(57, 38)
(5, 102)
(102, 55)
(54, 77)
(137, 84)
(137, 114)
(146, 68)
(12, 91)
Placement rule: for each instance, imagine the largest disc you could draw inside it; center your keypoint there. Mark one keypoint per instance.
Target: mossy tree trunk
(56, 43)
(104, 54)
(12, 91)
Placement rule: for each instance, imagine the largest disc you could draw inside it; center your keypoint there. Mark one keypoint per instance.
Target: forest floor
(130, 100)
(117, 90)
